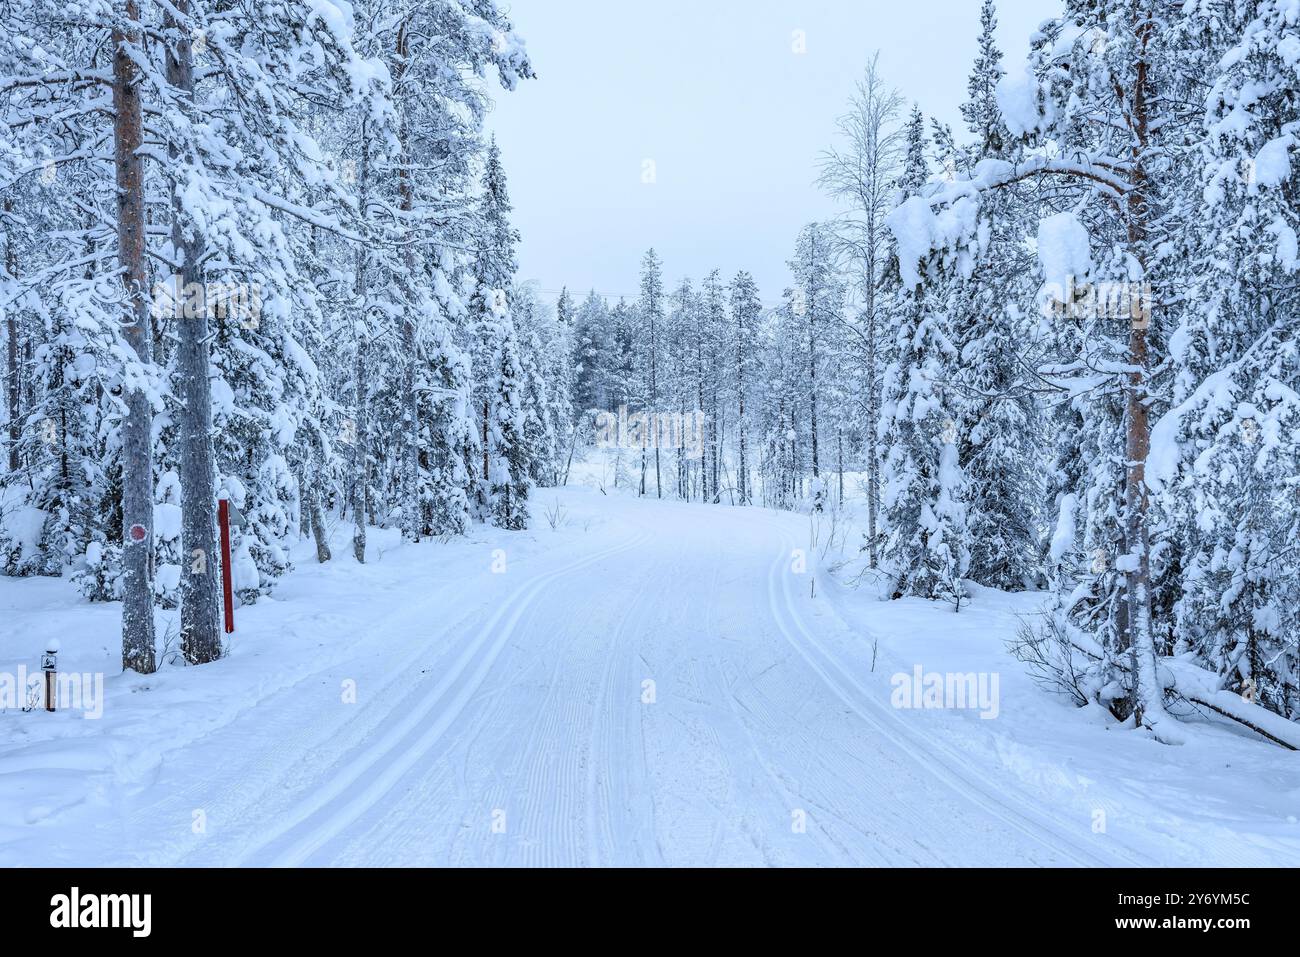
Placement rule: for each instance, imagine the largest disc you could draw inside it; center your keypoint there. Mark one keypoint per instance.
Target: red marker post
(227, 586)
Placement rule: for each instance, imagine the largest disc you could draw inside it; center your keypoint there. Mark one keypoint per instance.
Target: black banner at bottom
(211, 907)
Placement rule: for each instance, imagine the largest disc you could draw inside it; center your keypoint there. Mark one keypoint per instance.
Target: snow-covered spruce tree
(680, 379)
(448, 423)
(784, 368)
(998, 423)
(701, 345)
(746, 310)
(719, 395)
(651, 314)
(911, 172)
(926, 547)
(624, 384)
(565, 311)
(11, 237)
(980, 111)
(62, 474)
(840, 390)
(22, 311)
(691, 348)
(553, 330)
(545, 387)
(507, 446)
(591, 355)
(313, 458)
(490, 316)
(815, 311)
(1224, 456)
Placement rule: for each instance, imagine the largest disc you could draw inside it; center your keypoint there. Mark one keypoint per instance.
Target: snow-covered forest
(265, 253)
(261, 253)
(1057, 347)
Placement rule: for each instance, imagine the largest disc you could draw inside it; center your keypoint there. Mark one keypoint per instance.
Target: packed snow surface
(645, 683)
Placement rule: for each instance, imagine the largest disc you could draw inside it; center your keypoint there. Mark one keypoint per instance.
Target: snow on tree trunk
(200, 637)
(137, 440)
(14, 370)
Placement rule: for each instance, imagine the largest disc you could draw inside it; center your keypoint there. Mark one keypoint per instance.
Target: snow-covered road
(651, 685)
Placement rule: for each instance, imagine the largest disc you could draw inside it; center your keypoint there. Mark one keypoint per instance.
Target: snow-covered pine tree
(783, 372)
(711, 335)
(815, 311)
(651, 314)
(745, 315)
(680, 377)
(1100, 110)
(242, 183)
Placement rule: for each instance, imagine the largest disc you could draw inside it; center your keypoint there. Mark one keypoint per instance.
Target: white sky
(713, 93)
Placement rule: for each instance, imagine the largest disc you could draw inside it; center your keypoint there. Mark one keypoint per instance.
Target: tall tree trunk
(304, 511)
(812, 383)
(315, 509)
(411, 512)
(654, 404)
(873, 424)
(743, 472)
(1149, 703)
(839, 437)
(200, 637)
(11, 335)
(137, 440)
(487, 452)
(719, 442)
(699, 400)
(361, 369)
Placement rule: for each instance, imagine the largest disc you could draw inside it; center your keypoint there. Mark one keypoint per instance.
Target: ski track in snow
(363, 781)
(509, 729)
(1057, 841)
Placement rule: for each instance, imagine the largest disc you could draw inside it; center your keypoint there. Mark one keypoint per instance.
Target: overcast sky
(714, 94)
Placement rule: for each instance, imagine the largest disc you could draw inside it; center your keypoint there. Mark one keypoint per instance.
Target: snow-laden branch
(947, 217)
